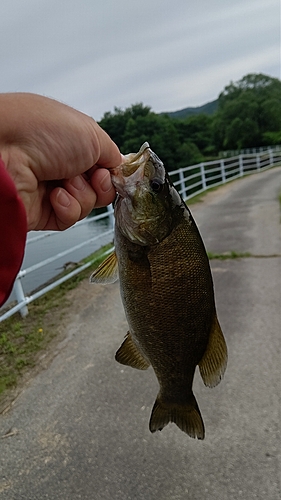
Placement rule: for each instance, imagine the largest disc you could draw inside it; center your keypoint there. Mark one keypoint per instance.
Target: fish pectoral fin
(128, 354)
(107, 271)
(187, 417)
(213, 364)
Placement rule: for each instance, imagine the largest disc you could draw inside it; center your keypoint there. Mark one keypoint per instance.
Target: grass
(23, 340)
(229, 255)
(197, 198)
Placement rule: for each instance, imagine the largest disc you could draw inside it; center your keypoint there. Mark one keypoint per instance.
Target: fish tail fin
(187, 417)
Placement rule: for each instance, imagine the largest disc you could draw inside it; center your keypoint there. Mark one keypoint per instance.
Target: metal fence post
(258, 161)
(20, 297)
(241, 165)
(110, 215)
(271, 160)
(223, 178)
(203, 176)
(182, 184)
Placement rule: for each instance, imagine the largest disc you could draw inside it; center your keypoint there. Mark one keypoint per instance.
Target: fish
(166, 288)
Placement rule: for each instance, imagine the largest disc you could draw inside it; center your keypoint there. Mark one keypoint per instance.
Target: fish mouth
(135, 160)
(126, 177)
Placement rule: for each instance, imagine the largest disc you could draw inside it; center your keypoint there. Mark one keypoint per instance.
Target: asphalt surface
(79, 430)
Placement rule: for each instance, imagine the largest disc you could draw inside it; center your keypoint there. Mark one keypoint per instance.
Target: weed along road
(79, 429)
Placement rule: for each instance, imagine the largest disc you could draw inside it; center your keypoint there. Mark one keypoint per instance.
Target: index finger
(109, 155)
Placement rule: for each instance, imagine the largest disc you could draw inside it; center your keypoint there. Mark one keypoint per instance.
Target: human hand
(58, 159)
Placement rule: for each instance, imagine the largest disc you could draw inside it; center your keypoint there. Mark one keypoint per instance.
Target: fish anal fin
(107, 271)
(187, 417)
(213, 364)
(128, 354)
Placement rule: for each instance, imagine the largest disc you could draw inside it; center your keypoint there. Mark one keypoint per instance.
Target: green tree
(137, 124)
(198, 130)
(246, 111)
(248, 115)
(115, 123)
(189, 154)
(158, 130)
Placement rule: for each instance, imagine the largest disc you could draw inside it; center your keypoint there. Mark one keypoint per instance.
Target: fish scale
(167, 316)
(167, 291)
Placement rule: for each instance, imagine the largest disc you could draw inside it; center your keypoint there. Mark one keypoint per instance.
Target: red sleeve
(13, 229)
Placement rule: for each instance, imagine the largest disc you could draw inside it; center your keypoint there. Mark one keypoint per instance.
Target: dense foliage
(177, 142)
(248, 115)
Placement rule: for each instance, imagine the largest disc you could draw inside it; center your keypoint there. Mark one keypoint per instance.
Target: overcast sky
(168, 54)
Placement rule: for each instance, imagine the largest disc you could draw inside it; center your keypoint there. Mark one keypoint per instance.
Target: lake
(56, 242)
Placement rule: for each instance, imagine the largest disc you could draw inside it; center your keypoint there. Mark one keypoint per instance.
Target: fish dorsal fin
(213, 364)
(107, 271)
(128, 354)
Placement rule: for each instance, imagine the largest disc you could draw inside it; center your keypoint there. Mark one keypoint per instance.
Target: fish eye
(156, 185)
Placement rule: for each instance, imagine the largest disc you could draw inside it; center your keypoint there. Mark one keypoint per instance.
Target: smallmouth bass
(166, 288)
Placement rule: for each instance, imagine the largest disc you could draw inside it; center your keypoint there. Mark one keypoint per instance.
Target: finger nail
(106, 183)
(78, 182)
(63, 198)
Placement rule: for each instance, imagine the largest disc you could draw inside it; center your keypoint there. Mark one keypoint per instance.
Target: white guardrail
(235, 152)
(189, 181)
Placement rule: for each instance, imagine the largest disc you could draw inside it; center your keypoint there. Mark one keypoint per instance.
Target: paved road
(81, 426)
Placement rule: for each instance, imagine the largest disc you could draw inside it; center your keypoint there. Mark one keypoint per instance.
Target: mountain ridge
(208, 109)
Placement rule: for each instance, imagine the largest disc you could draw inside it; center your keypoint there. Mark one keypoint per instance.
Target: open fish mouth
(134, 161)
(131, 171)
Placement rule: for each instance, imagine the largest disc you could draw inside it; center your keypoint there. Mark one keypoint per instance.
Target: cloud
(167, 54)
